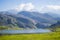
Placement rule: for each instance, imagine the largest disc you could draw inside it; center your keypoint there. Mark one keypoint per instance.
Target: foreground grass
(46, 36)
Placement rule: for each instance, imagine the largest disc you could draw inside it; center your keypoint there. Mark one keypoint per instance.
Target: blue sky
(39, 4)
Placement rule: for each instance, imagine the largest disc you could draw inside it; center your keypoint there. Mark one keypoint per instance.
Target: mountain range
(27, 20)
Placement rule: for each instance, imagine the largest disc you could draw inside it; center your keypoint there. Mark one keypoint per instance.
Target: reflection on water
(24, 31)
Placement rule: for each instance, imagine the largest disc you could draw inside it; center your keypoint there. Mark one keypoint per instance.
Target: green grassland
(44, 36)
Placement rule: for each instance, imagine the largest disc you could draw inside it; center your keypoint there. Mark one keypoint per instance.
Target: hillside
(55, 27)
(25, 20)
(12, 21)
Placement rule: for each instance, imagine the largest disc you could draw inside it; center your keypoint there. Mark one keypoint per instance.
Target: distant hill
(26, 19)
(55, 27)
(39, 17)
(15, 20)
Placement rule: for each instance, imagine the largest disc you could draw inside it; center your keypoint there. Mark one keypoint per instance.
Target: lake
(24, 31)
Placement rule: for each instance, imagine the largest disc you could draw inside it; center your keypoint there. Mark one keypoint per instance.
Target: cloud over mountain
(50, 8)
(25, 7)
(56, 7)
(43, 9)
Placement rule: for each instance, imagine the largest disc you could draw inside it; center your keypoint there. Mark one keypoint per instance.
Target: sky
(31, 5)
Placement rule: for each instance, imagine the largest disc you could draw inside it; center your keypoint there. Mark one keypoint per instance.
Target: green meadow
(44, 36)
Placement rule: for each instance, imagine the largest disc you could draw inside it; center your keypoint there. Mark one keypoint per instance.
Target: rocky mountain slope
(26, 19)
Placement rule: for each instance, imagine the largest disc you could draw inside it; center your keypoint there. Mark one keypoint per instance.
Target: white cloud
(55, 7)
(50, 8)
(25, 6)
(43, 9)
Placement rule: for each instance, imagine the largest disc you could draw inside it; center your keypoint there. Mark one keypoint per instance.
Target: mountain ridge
(26, 19)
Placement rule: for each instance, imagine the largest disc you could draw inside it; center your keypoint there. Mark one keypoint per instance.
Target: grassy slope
(46, 36)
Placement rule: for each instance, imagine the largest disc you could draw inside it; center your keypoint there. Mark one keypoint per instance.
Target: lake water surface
(24, 31)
